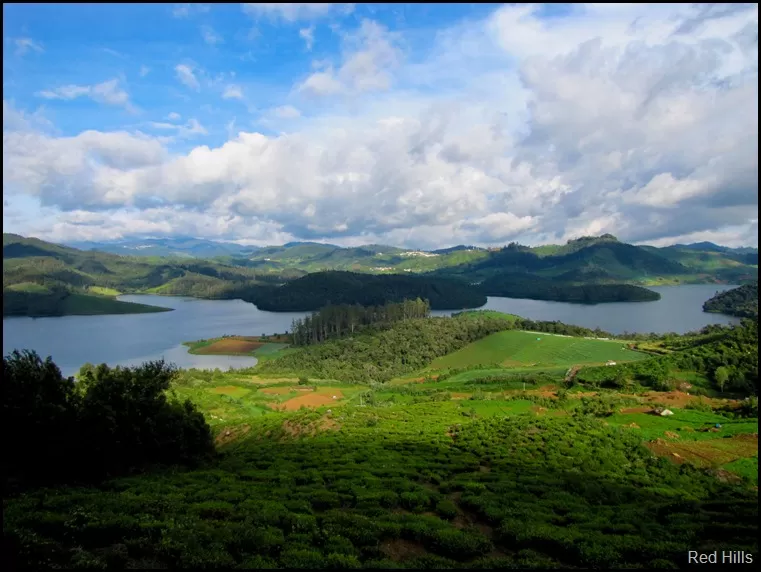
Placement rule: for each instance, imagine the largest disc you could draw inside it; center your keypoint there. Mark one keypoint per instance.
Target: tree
(40, 410)
(722, 377)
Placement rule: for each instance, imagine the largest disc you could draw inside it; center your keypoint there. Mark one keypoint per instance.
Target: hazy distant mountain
(185, 247)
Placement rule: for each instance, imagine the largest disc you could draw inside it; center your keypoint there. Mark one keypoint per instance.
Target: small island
(260, 347)
(741, 302)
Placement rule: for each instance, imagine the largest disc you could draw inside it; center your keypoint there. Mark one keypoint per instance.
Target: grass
(29, 287)
(84, 305)
(104, 291)
(527, 349)
(746, 468)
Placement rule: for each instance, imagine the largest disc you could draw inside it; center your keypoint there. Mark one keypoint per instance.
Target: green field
(528, 349)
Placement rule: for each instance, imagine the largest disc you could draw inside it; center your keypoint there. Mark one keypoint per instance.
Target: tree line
(339, 320)
(113, 421)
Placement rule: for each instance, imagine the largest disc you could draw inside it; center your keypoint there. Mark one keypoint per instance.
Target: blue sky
(419, 125)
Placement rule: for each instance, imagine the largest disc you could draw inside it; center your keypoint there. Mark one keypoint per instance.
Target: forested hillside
(513, 285)
(742, 301)
(314, 291)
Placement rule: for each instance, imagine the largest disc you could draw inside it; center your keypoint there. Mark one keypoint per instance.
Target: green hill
(314, 291)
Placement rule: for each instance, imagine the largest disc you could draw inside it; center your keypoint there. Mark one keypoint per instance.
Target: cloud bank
(636, 120)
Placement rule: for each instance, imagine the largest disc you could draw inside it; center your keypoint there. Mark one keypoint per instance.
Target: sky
(414, 125)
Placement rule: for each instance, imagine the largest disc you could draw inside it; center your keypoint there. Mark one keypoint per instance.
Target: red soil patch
(230, 346)
(461, 395)
(325, 423)
(230, 434)
(310, 400)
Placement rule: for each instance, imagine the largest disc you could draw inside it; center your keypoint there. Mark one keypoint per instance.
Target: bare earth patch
(230, 346)
(312, 399)
(277, 390)
(461, 395)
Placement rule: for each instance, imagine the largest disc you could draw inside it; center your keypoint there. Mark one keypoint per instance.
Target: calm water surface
(133, 338)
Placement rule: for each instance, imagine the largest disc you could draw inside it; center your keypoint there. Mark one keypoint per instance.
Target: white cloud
(639, 120)
(210, 36)
(108, 92)
(174, 116)
(186, 76)
(25, 45)
(292, 12)
(190, 129)
(368, 59)
(307, 34)
(187, 10)
(233, 92)
(144, 71)
(286, 112)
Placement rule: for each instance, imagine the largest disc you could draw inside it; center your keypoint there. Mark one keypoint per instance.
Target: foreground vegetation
(523, 468)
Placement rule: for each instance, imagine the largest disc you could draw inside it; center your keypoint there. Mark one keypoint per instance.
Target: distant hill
(320, 289)
(194, 267)
(45, 279)
(183, 247)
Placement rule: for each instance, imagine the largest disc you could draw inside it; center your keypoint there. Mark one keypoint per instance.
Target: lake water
(134, 338)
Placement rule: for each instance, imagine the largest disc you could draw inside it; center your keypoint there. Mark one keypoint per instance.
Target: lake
(134, 338)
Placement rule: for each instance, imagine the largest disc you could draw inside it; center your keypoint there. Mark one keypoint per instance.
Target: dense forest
(741, 301)
(336, 321)
(514, 285)
(113, 421)
(320, 289)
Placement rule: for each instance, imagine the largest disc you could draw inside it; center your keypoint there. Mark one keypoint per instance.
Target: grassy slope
(518, 348)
